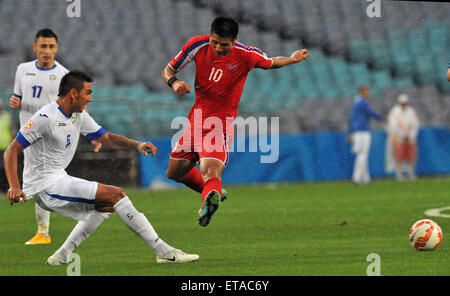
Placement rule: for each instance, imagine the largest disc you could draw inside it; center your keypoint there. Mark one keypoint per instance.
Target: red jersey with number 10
(219, 81)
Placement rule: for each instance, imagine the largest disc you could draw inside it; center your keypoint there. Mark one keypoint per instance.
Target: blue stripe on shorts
(71, 199)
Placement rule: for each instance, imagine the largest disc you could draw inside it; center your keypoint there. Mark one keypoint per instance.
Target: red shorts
(212, 144)
(404, 151)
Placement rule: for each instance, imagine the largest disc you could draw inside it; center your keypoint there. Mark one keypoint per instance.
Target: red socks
(194, 180)
(211, 184)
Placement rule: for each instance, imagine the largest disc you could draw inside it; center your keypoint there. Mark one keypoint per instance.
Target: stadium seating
(126, 44)
(340, 28)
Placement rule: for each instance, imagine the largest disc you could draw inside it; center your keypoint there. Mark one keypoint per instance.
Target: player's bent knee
(107, 197)
(119, 194)
(115, 194)
(170, 174)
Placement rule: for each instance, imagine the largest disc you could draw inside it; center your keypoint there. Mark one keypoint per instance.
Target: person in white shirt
(402, 129)
(37, 81)
(36, 85)
(51, 136)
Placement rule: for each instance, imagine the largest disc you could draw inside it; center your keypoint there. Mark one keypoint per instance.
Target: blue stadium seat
(360, 74)
(359, 50)
(425, 70)
(403, 83)
(381, 79)
(380, 54)
(403, 63)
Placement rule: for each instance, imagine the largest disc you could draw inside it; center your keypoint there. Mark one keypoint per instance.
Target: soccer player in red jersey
(222, 65)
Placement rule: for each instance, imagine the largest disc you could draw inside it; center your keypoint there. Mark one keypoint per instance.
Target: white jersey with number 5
(36, 87)
(52, 139)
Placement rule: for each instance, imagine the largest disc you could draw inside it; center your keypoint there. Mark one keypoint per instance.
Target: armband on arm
(171, 81)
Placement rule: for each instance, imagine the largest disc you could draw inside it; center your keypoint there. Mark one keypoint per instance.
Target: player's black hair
(47, 33)
(73, 79)
(225, 27)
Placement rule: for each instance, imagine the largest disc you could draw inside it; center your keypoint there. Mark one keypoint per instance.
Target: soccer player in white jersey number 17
(51, 137)
(35, 86)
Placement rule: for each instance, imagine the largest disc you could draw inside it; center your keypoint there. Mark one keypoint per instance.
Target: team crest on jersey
(52, 77)
(74, 119)
(28, 127)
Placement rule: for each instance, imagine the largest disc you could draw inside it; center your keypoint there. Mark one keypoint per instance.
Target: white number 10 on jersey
(216, 74)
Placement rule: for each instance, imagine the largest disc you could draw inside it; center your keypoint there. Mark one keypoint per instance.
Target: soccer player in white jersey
(51, 137)
(35, 86)
(37, 81)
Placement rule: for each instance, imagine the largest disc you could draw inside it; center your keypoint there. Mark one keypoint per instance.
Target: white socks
(82, 231)
(405, 166)
(42, 220)
(410, 169)
(399, 171)
(136, 221)
(139, 224)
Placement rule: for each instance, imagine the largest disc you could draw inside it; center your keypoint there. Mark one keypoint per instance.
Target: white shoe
(177, 256)
(56, 259)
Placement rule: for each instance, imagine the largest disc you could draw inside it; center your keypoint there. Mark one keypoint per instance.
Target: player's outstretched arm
(296, 57)
(448, 74)
(178, 86)
(15, 193)
(123, 143)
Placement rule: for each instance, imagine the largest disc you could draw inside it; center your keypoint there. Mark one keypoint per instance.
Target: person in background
(359, 135)
(402, 129)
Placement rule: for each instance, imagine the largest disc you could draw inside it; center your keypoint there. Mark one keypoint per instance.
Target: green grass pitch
(274, 229)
